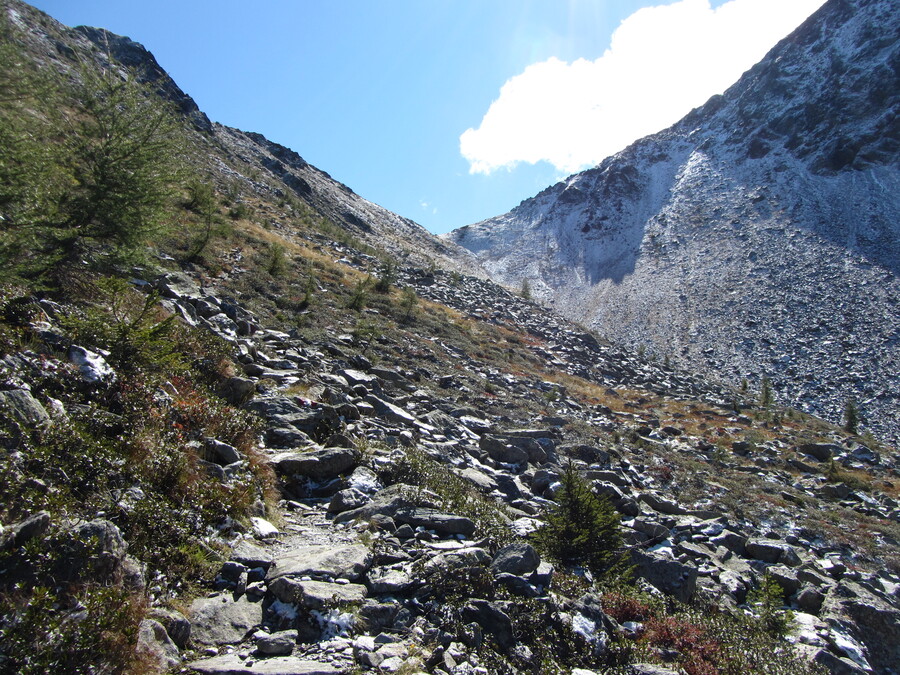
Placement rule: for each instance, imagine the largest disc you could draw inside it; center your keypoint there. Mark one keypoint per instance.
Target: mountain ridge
(686, 241)
(48, 41)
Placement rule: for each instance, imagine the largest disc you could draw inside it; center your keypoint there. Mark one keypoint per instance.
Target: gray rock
(491, 617)
(518, 558)
(176, 285)
(154, 643)
(613, 477)
(349, 562)
(466, 557)
(390, 412)
(222, 620)
(587, 453)
(222, 326)
(237, 390)
(205, 308)
(771, 551)
(177, 626)
(387, 502)
(221, 453)
(479, 479)
(231, 664)
(320, 464)
(280, 643)
(836, 665)
(272, 406)
(24, 407)
(316, 594)
(786, 578)
(660, 504)
(502, 451)
(431, 519)
(516, 585)
(543, 575)
(734, 542)
(348, 499)
(669, 576)
(92, 366)
(376, 616)
(385, 581)
(22, 532)
(835, 491)
(810, 600)
(649, 669)
(252, 555)
(820, 451)
(94, 550)
(873, 621)
(286, 437)
(651, 528)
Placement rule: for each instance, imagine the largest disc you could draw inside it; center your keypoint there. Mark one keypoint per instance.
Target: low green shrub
(456, 494)
(91, 630)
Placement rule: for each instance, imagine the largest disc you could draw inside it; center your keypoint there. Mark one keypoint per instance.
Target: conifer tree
(851, 417)
(582, 529)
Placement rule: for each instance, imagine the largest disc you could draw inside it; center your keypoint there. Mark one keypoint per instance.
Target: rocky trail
(356, 573)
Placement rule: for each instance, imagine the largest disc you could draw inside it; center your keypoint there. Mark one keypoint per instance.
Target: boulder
(772, 551)
(384, 580)
(502, 451)
(232, 664)
(820, 451)
(316, 594)
(221, 453)
(345, 500)
(872, 620)
(252, 555)
(286, 437)
(92, 366)
(661, 505)
(349, 562)
(390, 412)
(280, 643)
(518, 558)
(432, 519)
(649, 669)
(22, 532)
(178, 628)
(24, 407)
(491, 617)
(222, 620)
(669, 576)
(94, 550)
(319, 464)
(154, 643)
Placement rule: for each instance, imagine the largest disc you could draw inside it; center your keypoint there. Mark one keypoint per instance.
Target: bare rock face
(756, 237)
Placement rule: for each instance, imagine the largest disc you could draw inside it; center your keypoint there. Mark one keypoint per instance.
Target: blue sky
(388, 95)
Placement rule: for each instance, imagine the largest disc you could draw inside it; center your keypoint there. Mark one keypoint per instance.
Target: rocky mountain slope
(284, 450)
(758, 237)
(255, 164)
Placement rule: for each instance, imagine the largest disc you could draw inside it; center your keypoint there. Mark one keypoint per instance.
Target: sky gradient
(388, 95)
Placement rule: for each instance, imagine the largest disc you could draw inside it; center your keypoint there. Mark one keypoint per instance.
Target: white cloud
(662, 62)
